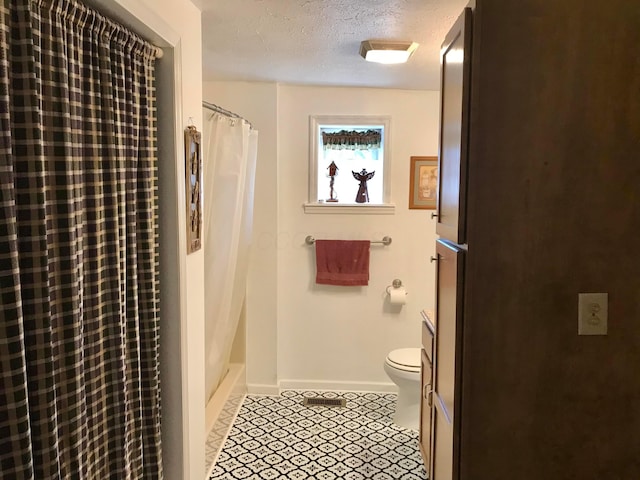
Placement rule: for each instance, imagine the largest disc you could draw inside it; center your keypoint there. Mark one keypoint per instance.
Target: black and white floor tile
(220, 429)
(277, 437)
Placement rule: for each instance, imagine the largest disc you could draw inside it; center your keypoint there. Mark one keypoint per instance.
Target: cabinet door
(425, 410)
(455, 69)
(443, 465)
(447, 357)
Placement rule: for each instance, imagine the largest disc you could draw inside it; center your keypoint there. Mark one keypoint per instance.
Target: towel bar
(385, 240)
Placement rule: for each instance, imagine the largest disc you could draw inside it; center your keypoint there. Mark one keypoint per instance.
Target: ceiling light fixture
(381, 51)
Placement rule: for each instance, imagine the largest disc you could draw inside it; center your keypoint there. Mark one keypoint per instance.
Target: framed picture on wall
(423, 183)
(193, 171)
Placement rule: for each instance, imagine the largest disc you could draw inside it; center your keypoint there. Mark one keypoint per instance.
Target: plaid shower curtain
(79, 385)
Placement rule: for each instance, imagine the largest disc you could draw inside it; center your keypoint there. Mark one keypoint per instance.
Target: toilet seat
(405, 359)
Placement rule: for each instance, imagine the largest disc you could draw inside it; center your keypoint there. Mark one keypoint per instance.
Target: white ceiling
(317, 42)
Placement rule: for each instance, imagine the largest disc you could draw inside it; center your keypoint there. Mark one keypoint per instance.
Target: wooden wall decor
(193, 174)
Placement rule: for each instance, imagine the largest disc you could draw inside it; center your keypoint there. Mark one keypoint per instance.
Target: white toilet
(403, 367)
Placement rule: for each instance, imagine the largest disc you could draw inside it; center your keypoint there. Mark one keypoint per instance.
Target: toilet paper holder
(397, 283)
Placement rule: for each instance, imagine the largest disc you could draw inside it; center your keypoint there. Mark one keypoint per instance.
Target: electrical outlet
(592, 313)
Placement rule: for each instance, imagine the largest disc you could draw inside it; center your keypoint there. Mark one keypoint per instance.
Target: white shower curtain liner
(230, 152)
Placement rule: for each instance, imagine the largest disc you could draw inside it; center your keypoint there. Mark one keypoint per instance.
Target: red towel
(342, 262)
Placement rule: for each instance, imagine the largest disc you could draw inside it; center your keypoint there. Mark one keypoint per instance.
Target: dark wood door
(455, 65)
(447, 358)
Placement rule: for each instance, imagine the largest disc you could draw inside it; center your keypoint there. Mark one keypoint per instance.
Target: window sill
(350, 208)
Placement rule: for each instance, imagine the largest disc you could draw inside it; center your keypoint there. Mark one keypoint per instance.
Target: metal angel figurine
(333, 171)
(363, 195)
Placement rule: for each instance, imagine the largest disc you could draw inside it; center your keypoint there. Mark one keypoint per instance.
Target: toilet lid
(405, 359)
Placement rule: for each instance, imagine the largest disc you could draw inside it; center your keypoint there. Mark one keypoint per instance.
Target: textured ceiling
(317, 42)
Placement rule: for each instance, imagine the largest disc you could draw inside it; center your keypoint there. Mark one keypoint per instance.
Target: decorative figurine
(363, 195)
(333, 171)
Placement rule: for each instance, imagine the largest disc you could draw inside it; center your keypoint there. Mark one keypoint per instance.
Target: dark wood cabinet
(451, 219)
(426, 400)
(425, 408)
(538, 202)
(447, 362)
(454, 124)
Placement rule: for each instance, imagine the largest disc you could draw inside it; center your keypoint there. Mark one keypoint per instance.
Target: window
(349, 165)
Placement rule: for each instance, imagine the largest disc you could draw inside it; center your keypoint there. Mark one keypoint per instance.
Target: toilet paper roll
(397, 296)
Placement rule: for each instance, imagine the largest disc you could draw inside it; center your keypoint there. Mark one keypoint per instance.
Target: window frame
(360, 121)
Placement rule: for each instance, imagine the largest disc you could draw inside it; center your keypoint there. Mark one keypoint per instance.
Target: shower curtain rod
(218, 109)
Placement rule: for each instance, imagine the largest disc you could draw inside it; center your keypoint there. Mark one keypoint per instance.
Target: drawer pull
(434, 259)
(434, 215)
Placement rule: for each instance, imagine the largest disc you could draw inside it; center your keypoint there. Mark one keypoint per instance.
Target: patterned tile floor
(276, 437)
(221, 428)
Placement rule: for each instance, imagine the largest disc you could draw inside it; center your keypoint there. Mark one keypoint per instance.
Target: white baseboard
(260, 389)
(336, 385)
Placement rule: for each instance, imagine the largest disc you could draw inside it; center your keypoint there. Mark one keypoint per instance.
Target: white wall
(329, 337)
(334, 336)
(257, 102)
